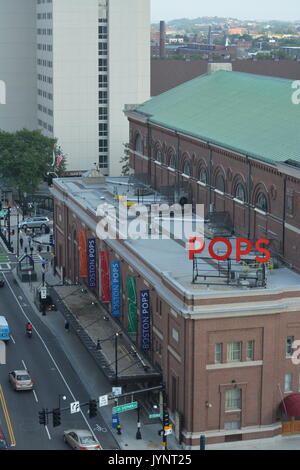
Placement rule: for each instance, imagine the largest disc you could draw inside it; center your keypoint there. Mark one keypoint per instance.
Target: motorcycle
(29, 333)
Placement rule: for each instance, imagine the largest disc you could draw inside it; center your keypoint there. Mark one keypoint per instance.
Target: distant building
(292, 51)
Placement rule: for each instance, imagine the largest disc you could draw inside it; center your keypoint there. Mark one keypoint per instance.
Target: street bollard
(202, 442)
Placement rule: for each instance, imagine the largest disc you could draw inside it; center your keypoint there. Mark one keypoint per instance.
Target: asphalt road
(52, 374)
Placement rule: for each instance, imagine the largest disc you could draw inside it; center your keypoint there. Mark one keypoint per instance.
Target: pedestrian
(29, 239)
(21, 243)
(67, 326)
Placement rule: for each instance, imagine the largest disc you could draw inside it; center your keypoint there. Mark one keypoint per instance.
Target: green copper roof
(251, 114)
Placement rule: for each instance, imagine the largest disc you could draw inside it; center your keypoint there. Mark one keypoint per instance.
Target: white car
(81, 439)
(34, 222)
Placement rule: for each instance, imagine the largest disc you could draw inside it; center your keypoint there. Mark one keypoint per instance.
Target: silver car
(81, 439)
(20, 380)
(34, 222)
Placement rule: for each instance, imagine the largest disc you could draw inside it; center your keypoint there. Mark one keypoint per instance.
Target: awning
(290, 405)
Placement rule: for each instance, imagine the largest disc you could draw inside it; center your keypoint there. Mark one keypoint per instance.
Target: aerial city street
(149, 227)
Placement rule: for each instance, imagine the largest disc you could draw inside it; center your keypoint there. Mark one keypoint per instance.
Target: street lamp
(138, 432)
(59, 397)
(116, 356)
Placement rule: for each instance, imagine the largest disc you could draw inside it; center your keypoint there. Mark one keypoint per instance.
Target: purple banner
(145, 320)
(91, 249)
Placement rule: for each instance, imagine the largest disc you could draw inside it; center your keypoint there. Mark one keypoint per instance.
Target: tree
(25, 157)
(125, 160)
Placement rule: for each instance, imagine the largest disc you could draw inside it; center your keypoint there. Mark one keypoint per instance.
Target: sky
(254, 9)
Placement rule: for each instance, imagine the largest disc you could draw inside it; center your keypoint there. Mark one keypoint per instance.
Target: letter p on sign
(2, 92)
(195, 249)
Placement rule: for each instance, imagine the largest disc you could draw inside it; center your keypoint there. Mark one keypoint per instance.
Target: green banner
(132, 305)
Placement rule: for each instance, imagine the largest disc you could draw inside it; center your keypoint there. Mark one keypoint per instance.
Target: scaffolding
(228, 272)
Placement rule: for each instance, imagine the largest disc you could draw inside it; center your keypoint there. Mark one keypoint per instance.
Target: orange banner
(83, 266)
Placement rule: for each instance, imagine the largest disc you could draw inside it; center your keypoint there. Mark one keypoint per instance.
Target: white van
(4, 330)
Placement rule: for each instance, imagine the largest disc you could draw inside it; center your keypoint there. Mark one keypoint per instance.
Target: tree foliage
(25, 158)
(125, 160)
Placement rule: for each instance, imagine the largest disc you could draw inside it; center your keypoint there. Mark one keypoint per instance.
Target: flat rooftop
(170, 257)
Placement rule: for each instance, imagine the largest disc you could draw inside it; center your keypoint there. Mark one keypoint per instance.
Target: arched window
(187, 169)
(220, 183)
(172, 161)
(203, 175)
(158, 156)
(139, 144)
(240, 192)
(261, 202)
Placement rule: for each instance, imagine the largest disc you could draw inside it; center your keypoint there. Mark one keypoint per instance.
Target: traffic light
(51, 239)
(166, 419)
(93, 408)
(42, 417)
(56, 417)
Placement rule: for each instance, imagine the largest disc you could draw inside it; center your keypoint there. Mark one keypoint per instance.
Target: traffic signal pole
(165, 419)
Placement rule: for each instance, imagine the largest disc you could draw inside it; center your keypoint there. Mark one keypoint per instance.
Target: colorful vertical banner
(132, 305)
(104, 276)
(91, 248)
(83, 270)
(115, 276)
(145, 320)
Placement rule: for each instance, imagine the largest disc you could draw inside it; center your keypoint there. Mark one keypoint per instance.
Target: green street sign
(127, 407)
(3, 213)
(156, 415)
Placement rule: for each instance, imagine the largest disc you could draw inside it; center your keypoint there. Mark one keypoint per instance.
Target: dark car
(2, 280)
(3, 441)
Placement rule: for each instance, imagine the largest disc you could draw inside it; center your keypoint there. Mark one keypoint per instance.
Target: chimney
(162, 41)
(215, 67)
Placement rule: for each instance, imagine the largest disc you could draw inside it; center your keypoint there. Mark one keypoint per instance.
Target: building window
(103, 81)
(232, 425)
(103, 114)
(233, 399)
(103, 145)
(261, 202)
(240, 193)
(172, 161)
(290, 205)
(103, 131)
(288, 378)
(220, 183)
(102, 97)
(102, 65)
(250, 350)
(289, 346)
(218, 352)
(175, 334)
(139, 144)
(203, 176)
(187, 169)
(158, 156)
(234, 351)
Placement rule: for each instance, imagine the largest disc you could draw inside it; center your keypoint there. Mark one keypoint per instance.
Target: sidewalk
(86, 311)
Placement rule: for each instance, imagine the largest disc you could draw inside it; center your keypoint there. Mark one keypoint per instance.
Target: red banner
(105, 278)
(83, 265)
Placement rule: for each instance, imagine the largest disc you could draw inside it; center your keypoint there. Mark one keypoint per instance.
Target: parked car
(34, 222)
(20, 380)
(81, 439)
(2, 280)
(3, 441)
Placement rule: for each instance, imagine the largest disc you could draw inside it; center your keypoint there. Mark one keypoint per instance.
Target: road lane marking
(49, 353)
(7, 419)
(24, 365)
(46, 427)
(12, 338)
(35, 396)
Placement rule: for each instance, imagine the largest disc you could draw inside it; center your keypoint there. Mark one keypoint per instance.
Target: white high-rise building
(18, 64)
(92, 57)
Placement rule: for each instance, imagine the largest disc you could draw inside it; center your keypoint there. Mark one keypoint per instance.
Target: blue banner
(145, 320)
(115, 276)
(91, 249)
(115, 420)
